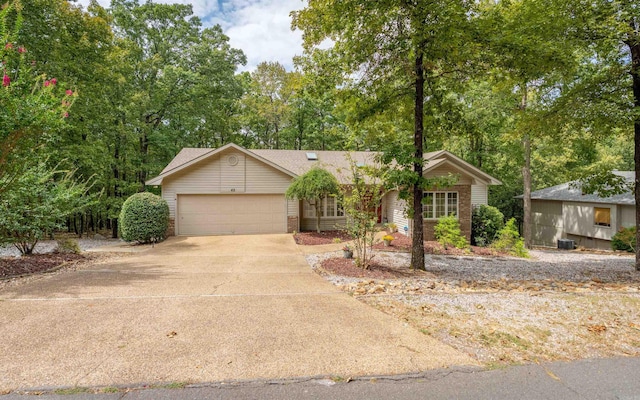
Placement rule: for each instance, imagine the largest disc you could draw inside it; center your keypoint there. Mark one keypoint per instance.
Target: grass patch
(71, 391)
(539, 334)
(175, 385)
(109, 389)
(493, 365)
(504, 339)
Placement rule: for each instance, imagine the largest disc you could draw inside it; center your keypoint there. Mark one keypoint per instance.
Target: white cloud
(263, 31)
(261, 28)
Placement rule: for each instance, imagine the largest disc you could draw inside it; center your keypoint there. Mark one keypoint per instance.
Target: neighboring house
(563, 212)
(232, 190)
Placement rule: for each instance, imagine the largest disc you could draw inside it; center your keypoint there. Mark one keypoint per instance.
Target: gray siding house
(233, 190)
(564, 212)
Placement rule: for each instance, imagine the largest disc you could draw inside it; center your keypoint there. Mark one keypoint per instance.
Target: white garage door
(231, 214)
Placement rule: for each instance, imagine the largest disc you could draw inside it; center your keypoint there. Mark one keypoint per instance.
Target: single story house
(564, 212)
(233, 190)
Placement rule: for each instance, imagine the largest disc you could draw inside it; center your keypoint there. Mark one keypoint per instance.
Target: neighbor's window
(602, 216)
(331, 208)
(439, 204)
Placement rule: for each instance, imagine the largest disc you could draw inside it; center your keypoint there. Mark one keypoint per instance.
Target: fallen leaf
(551, 374)
(596, 328)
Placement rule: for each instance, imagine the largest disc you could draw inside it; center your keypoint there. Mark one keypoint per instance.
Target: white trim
(158, 179)
(461, 164)
(446, 204)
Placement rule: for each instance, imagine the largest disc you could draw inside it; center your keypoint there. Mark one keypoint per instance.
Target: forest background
(112, 94)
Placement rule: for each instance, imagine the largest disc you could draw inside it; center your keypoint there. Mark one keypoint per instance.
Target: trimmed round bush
(486, 221)
(144, 218)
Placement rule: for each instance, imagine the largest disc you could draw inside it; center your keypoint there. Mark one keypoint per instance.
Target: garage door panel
(231, 214)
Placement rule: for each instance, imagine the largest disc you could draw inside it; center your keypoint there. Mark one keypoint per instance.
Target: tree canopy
(521, 89)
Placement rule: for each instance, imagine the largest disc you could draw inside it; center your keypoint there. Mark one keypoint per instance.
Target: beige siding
(217, 176)
(293, 207)
(479, 195)
(263, 178)
(396, 211)
(201, 178)
(444, 170)
(578, 219)
(547, 222)
(627, 216)
(232, 172)
(590, 243)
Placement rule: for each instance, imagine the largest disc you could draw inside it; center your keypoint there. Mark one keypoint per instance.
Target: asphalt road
(616, 378)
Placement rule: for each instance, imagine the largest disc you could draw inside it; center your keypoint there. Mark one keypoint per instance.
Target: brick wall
(292, 224)
(464, 212)
(171, 229)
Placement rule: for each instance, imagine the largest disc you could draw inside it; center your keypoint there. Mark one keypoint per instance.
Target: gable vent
(312, 156)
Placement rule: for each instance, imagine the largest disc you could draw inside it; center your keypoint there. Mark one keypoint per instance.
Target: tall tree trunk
(635, 73)
(318, 206)
(417, 244)
(144, 155)
(526, 178)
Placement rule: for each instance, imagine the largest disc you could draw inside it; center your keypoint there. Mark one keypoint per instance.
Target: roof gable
(443, 157)
(190, 156)
(296, 162)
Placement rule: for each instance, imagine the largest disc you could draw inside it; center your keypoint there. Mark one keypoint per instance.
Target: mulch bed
(403, 243)
(325, 237)
(377, 270)
(37, 263)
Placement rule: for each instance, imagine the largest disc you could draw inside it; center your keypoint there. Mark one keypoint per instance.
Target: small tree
(144, 218)
(486, 221)
(361, 200)
(509, 240)
(36, 204)
(447, 233)
(33, 107)
(313, 186)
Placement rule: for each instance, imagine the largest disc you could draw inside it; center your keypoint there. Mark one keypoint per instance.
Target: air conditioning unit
(566, 244)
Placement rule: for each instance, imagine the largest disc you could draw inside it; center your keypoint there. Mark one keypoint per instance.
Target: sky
(260, 28)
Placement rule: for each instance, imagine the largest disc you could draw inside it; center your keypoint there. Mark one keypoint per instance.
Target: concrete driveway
(200, 309)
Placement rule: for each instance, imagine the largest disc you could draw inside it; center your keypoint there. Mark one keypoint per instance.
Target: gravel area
(544, 266)
(557, 305)
(47, 246)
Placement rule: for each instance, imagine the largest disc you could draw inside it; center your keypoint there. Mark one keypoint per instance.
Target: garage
(234, 214)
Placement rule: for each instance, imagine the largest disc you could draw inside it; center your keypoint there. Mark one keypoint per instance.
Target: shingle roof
(571, 191)
(185, 155)
(297, 163)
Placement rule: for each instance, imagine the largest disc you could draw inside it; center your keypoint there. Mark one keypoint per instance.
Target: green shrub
(509, 240)
(486, 221)
(68, 246)
(144, 218)
(625, 239)
(447, 233)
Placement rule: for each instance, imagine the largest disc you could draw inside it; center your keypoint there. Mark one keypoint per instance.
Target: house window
(331, 208)
(602, 216)
(439, 204)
